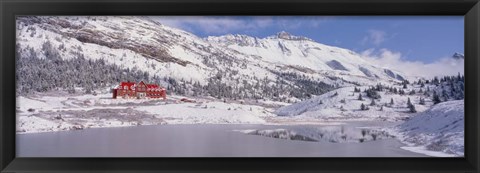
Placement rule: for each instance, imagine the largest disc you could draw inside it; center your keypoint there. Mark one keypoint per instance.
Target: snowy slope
(343, 103)
(440, 128)
(287, 49)
(148, 46)
(144, 44)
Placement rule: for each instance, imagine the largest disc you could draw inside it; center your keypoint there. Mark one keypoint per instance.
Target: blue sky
(416, 38)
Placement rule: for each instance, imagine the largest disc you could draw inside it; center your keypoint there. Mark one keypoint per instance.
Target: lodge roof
(152, 86)
(130, 84)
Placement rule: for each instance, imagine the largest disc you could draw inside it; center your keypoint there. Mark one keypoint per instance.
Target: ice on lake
(227, 140)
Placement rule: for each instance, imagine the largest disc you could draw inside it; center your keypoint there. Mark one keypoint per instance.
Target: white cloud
(394, 60)
(375, 37)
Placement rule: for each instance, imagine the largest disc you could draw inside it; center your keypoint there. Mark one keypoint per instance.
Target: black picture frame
(470, 9)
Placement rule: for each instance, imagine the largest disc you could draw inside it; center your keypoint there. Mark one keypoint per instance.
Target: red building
(140, 90)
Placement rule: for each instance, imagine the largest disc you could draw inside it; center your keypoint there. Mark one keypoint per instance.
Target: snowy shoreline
(52, 113)
(45, 113)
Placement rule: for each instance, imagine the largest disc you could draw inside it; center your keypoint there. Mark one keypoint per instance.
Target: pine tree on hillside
(363, 107)
(436, 98)
(356, 89)
(422, 101)
(391, 101)
(412, 92)
(412, 109)
(410, 106)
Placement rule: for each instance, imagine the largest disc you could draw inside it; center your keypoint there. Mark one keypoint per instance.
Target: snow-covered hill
(440, 128)
(277, 67)
(344, 104)
(381, 101)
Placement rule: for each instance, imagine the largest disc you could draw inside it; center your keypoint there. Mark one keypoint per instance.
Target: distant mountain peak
(284, 35)
(457, 55)
(287, 36)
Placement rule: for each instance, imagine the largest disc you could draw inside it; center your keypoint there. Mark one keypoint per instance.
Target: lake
(198, 141)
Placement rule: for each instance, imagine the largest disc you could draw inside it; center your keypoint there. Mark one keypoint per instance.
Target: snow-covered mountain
(284, 49)
(128, 42)
(323, 82)
(278, 66)
(457, 55)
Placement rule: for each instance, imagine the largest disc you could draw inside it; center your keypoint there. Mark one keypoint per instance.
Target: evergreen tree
(372, 93)
(363, 107)
(411, 108)
(356, 89)
(422, 101)
(436, 98)
(412, 92)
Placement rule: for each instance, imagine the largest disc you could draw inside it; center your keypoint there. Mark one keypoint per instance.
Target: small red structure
(140, 90)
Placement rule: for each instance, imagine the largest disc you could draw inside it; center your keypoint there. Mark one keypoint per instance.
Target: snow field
(58, 113)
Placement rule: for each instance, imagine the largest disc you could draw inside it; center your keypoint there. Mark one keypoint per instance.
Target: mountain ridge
(159, 50)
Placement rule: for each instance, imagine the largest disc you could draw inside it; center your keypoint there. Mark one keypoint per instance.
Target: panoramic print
(239, 86)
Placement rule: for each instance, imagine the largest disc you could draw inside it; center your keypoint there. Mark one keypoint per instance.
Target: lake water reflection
(199, 141)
